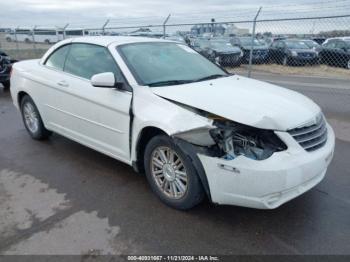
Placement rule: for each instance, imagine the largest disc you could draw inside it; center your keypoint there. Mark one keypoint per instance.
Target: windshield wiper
(169, 82)
(181, 82)
(210, 77)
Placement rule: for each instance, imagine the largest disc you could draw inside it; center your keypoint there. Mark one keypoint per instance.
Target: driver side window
(86, 60)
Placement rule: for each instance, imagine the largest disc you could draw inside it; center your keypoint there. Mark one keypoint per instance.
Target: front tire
(32, 119)
(171, 174)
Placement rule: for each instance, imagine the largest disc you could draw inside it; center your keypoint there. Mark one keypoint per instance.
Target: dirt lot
(316, 70)
(21, 50)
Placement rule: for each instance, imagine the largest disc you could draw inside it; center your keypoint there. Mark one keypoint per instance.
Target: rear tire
(6, 84)
(171, 174)
(32, 119)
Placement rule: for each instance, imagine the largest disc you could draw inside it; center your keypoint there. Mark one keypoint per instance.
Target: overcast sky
(95, 12)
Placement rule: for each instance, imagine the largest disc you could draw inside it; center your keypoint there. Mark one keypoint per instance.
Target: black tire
(41, 133)
(8, 39)
(6, 84)
(194, 193)
(47, 41)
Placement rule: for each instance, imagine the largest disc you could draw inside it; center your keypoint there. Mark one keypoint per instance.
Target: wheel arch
(147, 133)
(20, 96)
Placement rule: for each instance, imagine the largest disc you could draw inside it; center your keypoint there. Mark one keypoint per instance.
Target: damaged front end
(235, 140)
(228, 140)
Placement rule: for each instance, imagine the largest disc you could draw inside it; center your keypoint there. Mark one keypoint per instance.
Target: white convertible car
(194, 129)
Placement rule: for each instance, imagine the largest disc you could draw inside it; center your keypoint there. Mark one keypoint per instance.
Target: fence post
(64, 31)
(252, 44)
(164, 25)
(17, 45)
(33, 37)
(104, 26)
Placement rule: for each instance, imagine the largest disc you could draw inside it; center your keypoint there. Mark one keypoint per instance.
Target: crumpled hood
(246, 101)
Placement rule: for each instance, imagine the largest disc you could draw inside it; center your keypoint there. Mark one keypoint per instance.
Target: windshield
(296, 45)
(158, 63)
(201, 43)
(311, 44)
(248, 41)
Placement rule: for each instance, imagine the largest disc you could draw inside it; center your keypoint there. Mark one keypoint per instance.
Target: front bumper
(269, 183)
(304, 60)
(228, 58)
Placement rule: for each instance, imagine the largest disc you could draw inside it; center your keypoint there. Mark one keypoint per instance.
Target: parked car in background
(194, 129)
(260, 49)
(319, 40)
(336, 52)
(5, 69)
(270, 40)
(176, 38)
(292, 52)
(336, 38)
(312, 44)
(219, 50)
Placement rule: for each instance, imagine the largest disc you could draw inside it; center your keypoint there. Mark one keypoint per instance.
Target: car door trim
(85, 119)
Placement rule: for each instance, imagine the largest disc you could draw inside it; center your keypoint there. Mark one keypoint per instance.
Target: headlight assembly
(235, 139)
(294, 53)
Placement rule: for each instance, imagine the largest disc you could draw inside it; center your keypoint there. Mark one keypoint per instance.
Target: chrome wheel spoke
(157, 162)
(181, 175)
(180, 185)
(162, 156)
(173, 189)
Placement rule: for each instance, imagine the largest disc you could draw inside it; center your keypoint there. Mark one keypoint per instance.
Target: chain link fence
(317, 46)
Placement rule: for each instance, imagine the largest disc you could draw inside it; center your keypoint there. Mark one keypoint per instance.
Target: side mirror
(105, 80)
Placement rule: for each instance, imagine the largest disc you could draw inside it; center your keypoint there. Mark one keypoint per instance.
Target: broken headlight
(235, 139)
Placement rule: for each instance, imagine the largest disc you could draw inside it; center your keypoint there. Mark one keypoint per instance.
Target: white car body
(100, 119)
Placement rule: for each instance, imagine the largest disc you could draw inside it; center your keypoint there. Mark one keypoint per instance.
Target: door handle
(63, 83)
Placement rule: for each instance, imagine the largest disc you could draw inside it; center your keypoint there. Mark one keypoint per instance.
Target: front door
(96, 117)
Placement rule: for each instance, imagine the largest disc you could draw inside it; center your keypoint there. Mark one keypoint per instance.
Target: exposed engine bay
(228, 139)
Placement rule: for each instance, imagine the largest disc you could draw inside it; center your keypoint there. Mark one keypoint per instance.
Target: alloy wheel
(169, 172)
(30, 117)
